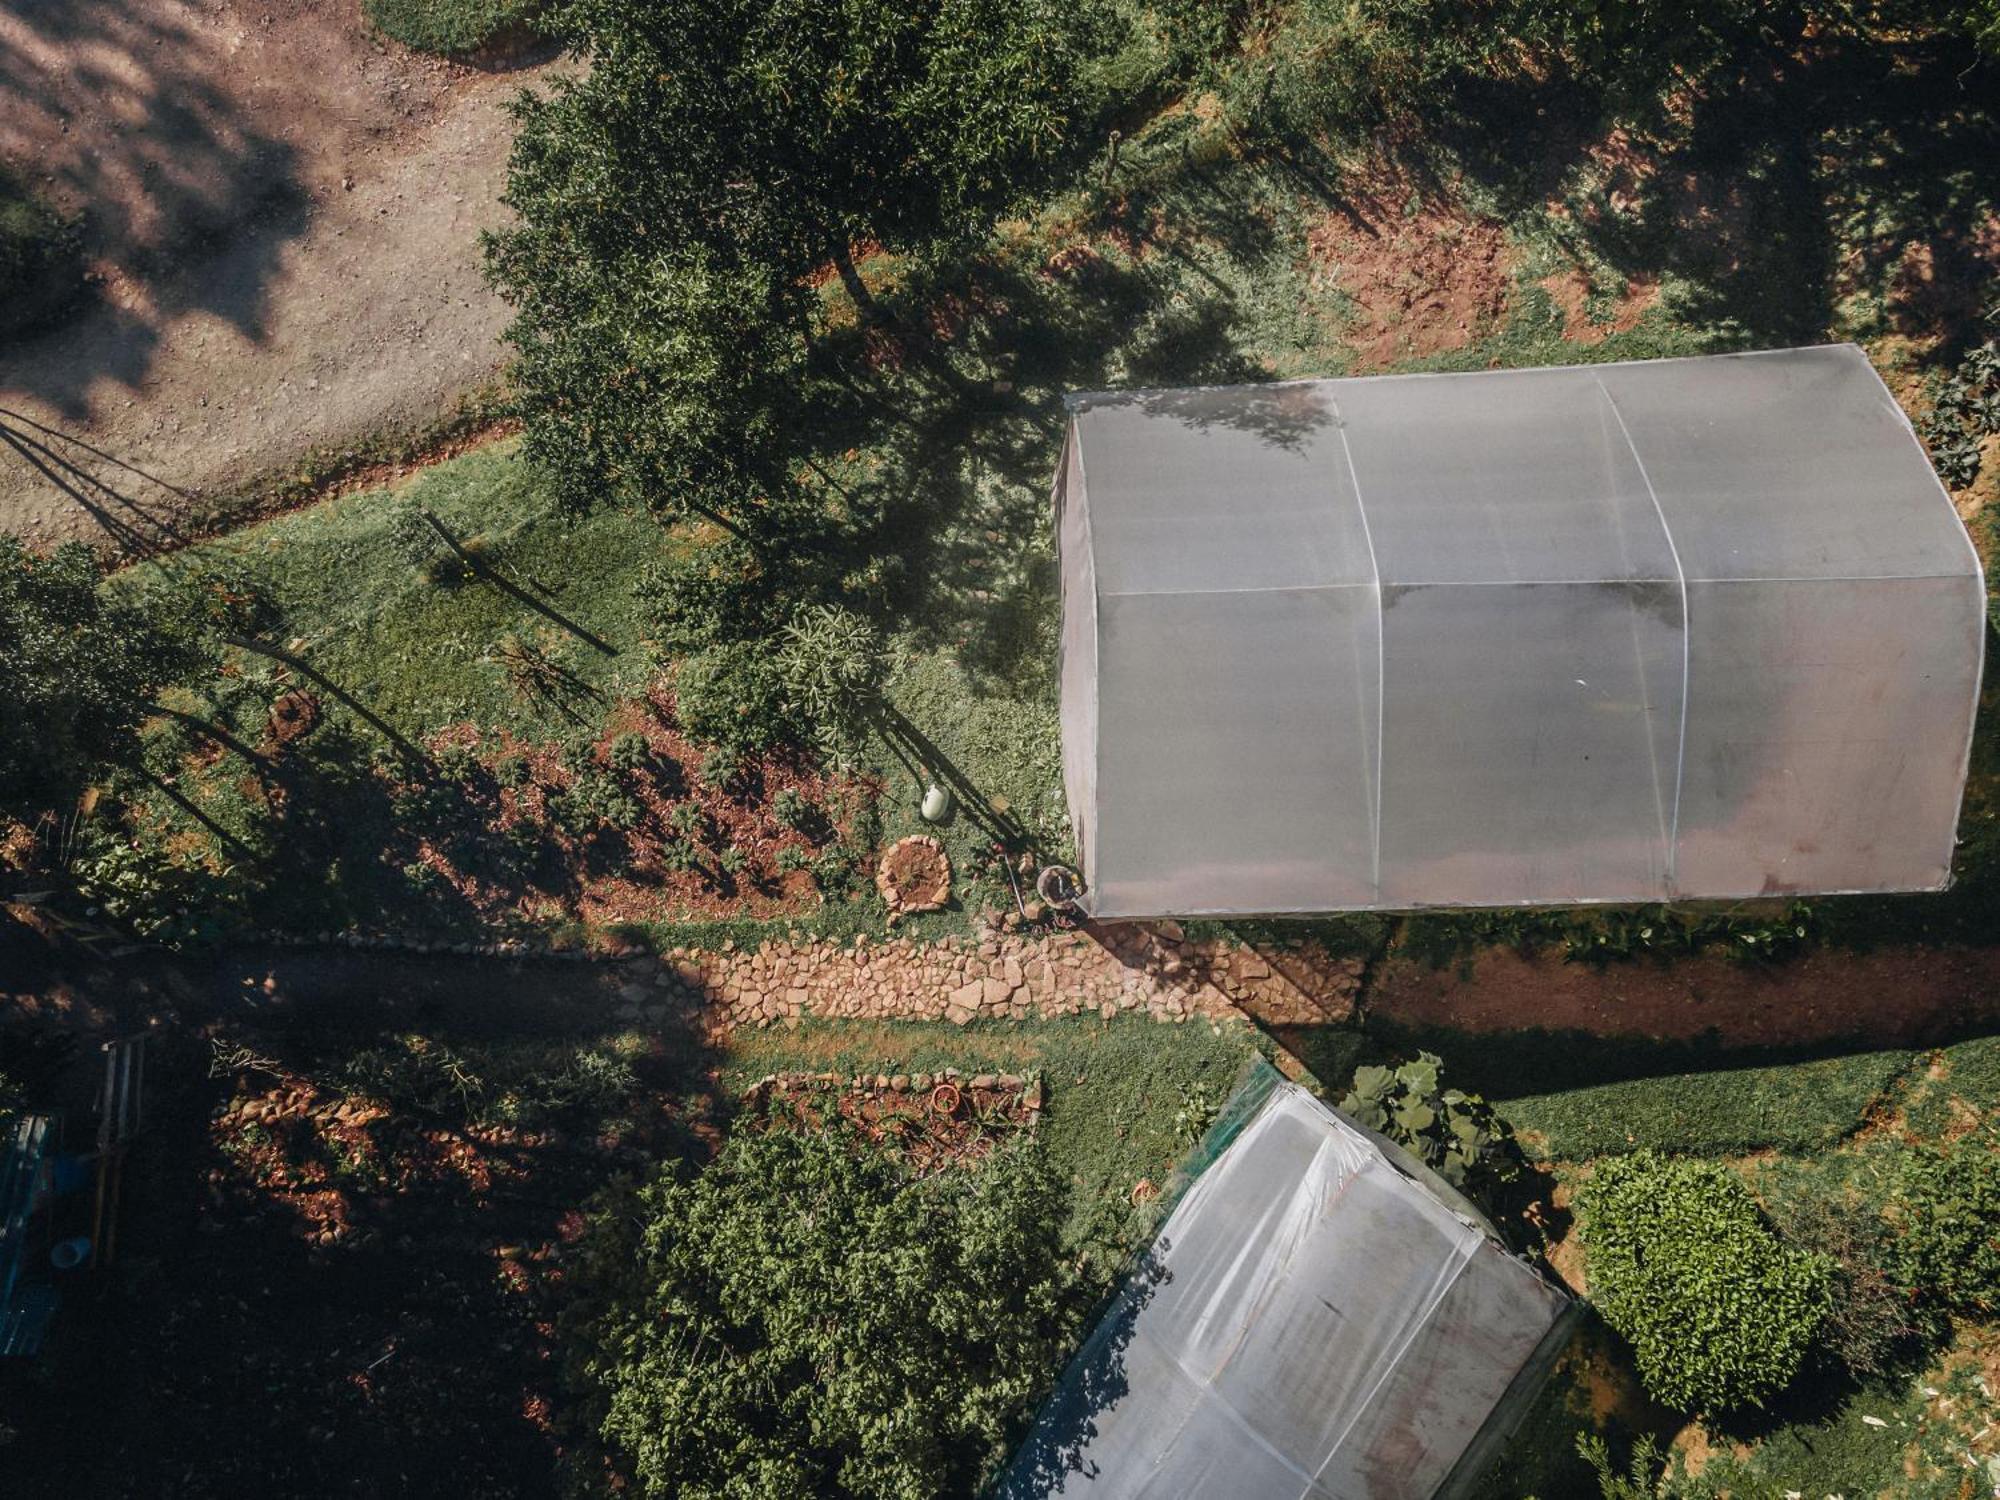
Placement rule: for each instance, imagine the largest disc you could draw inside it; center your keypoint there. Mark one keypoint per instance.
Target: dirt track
(283, 215)
(1903, 996)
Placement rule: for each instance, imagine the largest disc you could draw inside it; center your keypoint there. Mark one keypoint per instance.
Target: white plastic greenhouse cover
(1314, 1322)
(1691, 628)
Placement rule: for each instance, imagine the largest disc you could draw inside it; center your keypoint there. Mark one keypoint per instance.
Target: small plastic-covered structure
(1697, 628)
(1319, 1319)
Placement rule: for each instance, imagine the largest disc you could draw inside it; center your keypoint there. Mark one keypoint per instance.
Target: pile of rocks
(1148, 969)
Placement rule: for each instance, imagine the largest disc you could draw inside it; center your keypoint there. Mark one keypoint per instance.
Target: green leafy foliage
(630, 752)
(832, 664)
(697, 597)
(594, 800)
(513, 1085)
(791, 808)
(721, 769)
(805, 1318)
(689, 821)
(1947, 1213)
(1964, 412)
(78, 671)
(1456, 1134)
(1718, 1310)
(676, 197)
(734, 697)
(1642, 1478)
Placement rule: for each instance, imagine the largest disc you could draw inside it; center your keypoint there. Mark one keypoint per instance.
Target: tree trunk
(864, 300)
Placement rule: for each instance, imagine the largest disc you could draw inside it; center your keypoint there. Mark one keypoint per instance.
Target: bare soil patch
(915, 875)
(931, 1121)
(1423, 274)
(671, 861)
(1571, 291)
(281, 216)
(1907, 996)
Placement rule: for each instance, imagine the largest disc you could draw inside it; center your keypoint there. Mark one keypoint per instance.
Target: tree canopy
(805, 1318)
(78, 670)
(677, 200)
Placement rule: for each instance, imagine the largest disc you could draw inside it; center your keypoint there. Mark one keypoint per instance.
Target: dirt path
(1894, 997)
(283, 215)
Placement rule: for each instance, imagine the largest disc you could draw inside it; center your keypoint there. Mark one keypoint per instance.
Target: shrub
(1947, 1219)
(1718, 1310)
(732, 696)
(416, 1073)
(1869, 1317)
(791, 858)
(583, 1079)
(425, 1076)
(1964, 411)
(832, 664)
(807, 1312)
(1455, 1134)
(631, 752)
(733, 861)
(450, 26)
(833, 873)
(512, 770)
(791, 809)
(593, 800)
(721, 769)
(422, 877)
(689, 821)
(680, 856)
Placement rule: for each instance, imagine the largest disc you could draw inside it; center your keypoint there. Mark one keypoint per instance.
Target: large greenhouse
(1695, 628)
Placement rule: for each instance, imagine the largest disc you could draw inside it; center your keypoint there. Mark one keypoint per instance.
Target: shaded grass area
(452, 26)
(418, 652)
(1797, 1107)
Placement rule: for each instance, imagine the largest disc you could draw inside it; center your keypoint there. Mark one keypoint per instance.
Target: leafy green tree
(79, 666)
(676, 198)
(805, 1318)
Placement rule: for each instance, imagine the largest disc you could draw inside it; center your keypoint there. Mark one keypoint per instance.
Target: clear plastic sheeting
(1317, 1320)
(1698, 628)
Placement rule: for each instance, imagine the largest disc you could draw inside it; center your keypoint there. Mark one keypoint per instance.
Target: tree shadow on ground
(1849, 180)
(163, 159)
(958, 400)
(418, 1348)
